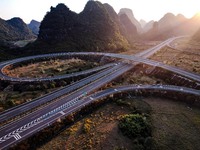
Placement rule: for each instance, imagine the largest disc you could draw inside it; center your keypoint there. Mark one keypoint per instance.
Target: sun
(198, 13)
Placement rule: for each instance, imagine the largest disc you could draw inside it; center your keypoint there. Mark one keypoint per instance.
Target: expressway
(33, 123)
(190, 75)
(59, 77)
(15, 111)
(151, 51)
(150, 88)
(55, 107)
(75, 99)
(140, 57)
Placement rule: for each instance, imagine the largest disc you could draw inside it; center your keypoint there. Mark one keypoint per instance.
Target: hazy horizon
(143, 9)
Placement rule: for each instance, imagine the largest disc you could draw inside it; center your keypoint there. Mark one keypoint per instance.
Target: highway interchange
(78, 94)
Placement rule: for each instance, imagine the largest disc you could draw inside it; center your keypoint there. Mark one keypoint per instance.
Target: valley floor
(184, 54)
(175, 126)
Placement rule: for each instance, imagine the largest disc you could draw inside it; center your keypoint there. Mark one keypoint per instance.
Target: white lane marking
(17, 136)
(2, 140)
(62, 112)
(29, 125)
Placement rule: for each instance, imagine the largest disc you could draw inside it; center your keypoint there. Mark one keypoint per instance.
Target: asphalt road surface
(33, 123)
(76, 98)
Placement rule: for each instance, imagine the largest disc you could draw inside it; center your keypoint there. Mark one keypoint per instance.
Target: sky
(142, 9)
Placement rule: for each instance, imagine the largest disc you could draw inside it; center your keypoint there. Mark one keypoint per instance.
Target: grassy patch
(175, 125)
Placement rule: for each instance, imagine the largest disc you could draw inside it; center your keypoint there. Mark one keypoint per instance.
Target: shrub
(87, 126)
(135, 125)
(121, 102)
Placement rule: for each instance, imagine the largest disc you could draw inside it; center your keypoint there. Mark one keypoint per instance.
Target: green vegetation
(13, 94)
(120, 102)
(12, 98)
(135, 125)
(96, 130)
(14, 29)
(4, 53)
(81, 33)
